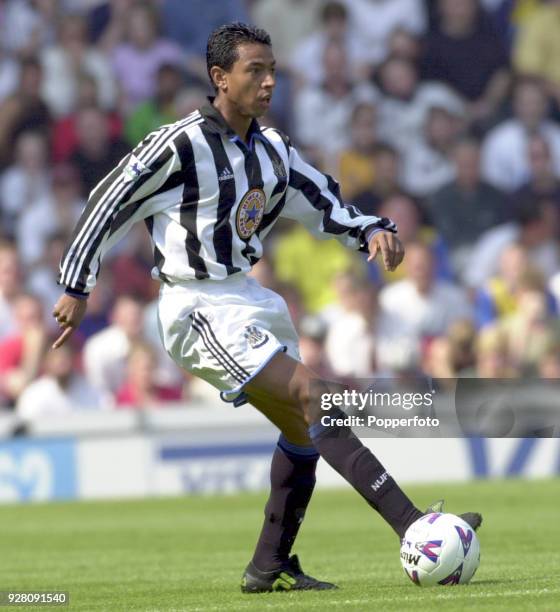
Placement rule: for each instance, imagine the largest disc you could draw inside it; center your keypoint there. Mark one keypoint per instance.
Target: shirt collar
(216, 121)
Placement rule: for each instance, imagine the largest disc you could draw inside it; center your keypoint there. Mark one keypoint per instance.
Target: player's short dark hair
(221, 49)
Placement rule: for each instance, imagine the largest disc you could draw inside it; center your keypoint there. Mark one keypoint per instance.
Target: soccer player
(209, 189)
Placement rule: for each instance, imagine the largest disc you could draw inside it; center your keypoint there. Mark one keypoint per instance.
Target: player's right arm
(123, 197)
(69, 312)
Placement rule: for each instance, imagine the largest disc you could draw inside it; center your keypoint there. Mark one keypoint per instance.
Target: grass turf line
(188, 553)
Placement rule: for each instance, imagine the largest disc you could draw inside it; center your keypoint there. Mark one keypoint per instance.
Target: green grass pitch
(188, 553)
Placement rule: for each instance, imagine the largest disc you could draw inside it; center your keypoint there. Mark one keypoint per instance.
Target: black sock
(343, 451)
(292, 479)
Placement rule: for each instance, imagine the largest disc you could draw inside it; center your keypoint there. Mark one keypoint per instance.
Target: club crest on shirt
(250, 213)
(255, 336)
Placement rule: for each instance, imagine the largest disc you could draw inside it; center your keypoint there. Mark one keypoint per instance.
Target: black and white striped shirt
(208, 199)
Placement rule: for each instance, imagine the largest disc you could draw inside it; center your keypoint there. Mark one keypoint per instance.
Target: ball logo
(466, 538)
(430, 549)
(410, 558)
(432, 518)
(250, 213)
(413, 575)
(453, 578)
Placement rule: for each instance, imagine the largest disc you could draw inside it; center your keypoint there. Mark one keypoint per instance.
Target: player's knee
(308, 394)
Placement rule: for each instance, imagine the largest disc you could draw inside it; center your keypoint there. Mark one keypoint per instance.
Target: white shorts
(225, 331)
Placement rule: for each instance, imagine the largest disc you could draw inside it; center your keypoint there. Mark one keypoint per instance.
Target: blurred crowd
(443, 115)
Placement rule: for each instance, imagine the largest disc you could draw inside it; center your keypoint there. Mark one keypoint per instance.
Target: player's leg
(292, 480)
(283, 383)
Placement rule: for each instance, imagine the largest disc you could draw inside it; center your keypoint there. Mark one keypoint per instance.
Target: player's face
(250, 83)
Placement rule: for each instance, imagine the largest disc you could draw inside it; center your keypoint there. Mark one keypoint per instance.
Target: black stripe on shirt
(314, 196)
(159, 259)
(189, 205)
(281, 173)
(124, 214)
(222, 236)
(278, 166)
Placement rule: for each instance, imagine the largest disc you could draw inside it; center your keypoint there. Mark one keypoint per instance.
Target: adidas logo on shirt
(225, 175)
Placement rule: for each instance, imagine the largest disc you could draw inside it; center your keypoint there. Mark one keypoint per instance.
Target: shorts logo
(250, 213)
(255, 336)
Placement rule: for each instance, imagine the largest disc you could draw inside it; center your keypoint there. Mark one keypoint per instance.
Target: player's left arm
(314, 199)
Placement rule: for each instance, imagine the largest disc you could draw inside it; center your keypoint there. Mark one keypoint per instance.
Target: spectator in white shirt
(106, 353)
(322, 113)
(288, 22)
(427, 162)
(535, 228)
(419, 307)
(25, 181)
(405, 102)
(375, 20)
(350, 343)
(64, 63)
(61, 390)
(505, 159)
(28, 26)
(56, 210)
(9, 75)
(307, 57)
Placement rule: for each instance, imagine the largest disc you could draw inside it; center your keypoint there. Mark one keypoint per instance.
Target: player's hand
(390, 247)
(68, 312)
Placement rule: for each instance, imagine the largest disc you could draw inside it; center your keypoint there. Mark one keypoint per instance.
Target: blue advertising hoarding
(37, 470)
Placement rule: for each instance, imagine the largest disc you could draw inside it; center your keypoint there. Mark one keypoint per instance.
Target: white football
(440, 548)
